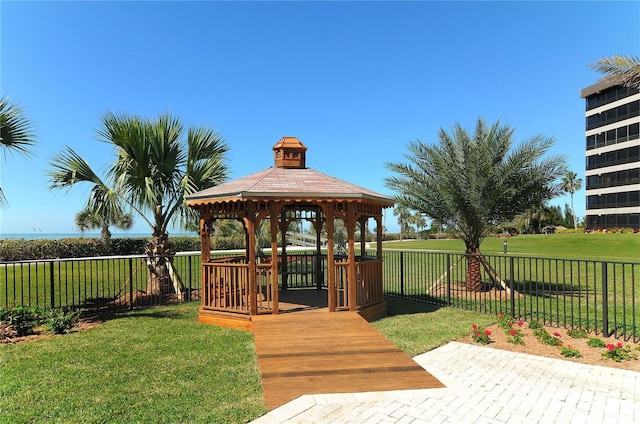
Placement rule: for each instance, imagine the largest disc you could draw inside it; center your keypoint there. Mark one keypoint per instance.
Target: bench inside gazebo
(237, 288)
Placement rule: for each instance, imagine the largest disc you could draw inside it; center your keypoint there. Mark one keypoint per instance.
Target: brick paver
(484, 385)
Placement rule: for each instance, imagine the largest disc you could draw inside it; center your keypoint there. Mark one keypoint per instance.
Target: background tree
(618, 69)
(473, 182)
(88, 219)
(418, 220)
(570, 184)
(404, 219)
(16, 132)
(156, 166)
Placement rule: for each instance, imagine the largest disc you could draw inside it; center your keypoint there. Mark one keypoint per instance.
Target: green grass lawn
(610, 247)
(161, 366)
(157, 365)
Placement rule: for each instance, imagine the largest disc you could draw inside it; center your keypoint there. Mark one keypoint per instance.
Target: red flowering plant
(480, 334)
(514, 335)
(619, 352)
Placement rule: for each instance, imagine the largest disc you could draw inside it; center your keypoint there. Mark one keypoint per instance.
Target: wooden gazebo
(237, 288)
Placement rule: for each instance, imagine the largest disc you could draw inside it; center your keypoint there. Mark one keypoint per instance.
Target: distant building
(613, 156)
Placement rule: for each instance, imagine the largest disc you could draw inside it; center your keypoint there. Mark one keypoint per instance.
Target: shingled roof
(288, 180)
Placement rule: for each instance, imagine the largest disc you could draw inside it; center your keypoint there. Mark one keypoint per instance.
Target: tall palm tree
(570, 184)
(473, 182)
(155, 168)
(619, 69)
(16, 132)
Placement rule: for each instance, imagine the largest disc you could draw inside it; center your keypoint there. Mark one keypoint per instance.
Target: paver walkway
(319, 352)
(484, 385)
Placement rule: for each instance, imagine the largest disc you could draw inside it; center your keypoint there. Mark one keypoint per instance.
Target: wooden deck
(315, 352)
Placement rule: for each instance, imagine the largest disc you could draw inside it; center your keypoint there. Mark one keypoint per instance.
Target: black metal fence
(597, 296)
(594, 295)
(97, 285)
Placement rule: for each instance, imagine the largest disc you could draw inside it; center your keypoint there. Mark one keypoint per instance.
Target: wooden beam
(350, 223)
(273, 221)
(331, 261)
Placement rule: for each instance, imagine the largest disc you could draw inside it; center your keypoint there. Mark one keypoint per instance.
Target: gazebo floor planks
(318, 352)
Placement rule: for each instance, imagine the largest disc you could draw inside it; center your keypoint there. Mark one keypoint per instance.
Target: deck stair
(317, 352)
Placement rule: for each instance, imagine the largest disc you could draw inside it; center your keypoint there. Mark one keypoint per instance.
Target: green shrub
(22, 319)
(59, 321)
(596, 342)
(569, 352)
(535, 325)
(578, 333)
(544, 337)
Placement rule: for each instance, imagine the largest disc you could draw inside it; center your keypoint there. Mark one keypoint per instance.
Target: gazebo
(235, 289)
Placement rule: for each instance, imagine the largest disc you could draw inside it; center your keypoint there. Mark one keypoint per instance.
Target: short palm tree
(570, 184)
(88, 219)
(618, 69)
(16, 132)
(474, 182)
(155, 168)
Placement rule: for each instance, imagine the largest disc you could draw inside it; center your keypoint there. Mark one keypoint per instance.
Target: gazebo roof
(286, 182)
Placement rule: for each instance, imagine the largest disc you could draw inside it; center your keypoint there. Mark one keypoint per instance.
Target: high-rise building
(613, 156)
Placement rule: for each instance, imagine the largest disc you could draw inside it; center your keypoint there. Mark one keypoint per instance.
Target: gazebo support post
(250, 224)
(331, 261)
(317, 270)
(284, 224)
(351, 261)
(273, 221)
(379, 238)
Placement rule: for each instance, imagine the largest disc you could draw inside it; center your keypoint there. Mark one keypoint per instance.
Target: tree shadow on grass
(399, 306)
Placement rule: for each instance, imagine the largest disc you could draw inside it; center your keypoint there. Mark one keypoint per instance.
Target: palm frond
(16, 130)
(619, 69)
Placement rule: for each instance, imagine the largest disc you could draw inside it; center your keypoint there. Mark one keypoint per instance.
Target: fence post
(605, 301)
(401, 275)
(512, 293)
(131, 284)
(448, 271)
(189, 273)
(52, 286)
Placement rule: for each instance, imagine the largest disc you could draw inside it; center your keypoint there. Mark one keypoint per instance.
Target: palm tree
(16, 132)
(618, 69)
(404, 218)
(88, 219)
(155, 168)
(473, 182)
(570, 184)
(418, 220)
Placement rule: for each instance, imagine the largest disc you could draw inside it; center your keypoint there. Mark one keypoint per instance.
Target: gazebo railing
(226, 286)
(369, 282)
(341, 270)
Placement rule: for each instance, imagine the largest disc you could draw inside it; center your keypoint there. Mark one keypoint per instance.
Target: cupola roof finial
(289, 152)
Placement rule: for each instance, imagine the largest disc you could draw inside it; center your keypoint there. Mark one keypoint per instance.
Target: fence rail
(598, 296)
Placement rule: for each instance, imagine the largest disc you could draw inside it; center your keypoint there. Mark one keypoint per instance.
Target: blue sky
(355, 81)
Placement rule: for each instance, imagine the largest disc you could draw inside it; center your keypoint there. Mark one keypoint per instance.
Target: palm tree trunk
(573, 211)
(159, 260)
(474, 277)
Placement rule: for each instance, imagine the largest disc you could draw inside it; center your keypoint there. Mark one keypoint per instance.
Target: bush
(21, 319)
(59, 321)
(578, 333)
(596, 342)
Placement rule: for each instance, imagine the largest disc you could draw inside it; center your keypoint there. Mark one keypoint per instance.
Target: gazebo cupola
(289, 152)
(237, 288)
